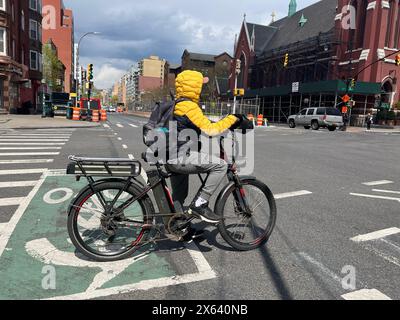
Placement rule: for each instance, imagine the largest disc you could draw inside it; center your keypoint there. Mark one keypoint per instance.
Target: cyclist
(189, 115)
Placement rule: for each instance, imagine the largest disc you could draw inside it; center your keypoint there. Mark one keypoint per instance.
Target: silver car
(316, 118)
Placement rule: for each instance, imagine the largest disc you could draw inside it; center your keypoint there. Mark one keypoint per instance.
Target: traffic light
(239, 92)
(398, 60)
(286, 60)
(90, 72)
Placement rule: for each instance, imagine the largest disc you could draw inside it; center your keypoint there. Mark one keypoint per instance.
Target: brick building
(216, 67)
(59, 27)
(327, 43)
(20, 55)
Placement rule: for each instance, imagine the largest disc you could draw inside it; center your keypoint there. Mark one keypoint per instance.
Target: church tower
(292, 7)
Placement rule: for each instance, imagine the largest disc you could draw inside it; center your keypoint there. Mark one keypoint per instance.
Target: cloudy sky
(133, 29)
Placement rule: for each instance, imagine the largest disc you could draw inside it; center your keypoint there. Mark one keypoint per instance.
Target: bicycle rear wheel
(101, 238)
(247, 230)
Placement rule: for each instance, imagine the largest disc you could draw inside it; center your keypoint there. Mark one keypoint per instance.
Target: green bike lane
(38, 260)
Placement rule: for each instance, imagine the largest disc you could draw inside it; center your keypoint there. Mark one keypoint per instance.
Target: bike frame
(158, 184)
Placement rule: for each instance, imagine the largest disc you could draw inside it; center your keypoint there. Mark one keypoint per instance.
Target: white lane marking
(365, 294)
(14, 184)
(119, 125)
(377, 183)
(205, 272)
(292, 194)
(381, 254)
(22, 171)
(386, 191)
(44, 251)
(374, 197)
(2, 226)
(320, 266)
(30, 148)
(10, 201)
(64, 136)
(133, 126)
(31, 144)
(124, 146)
(120, 139)
(30, 154)
(376, 235)
(391, 244)
(26, 161)
(9, 228)
(33, 140)
(106, 125)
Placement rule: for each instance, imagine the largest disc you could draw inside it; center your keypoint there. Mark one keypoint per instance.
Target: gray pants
(196, 163)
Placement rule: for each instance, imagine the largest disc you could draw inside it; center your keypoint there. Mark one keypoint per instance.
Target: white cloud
(107, 76)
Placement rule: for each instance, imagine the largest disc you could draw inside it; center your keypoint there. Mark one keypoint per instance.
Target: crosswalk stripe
(133, 126)
(33, 140)
(10, 201)
(292, 194)
(365, 294)
(374, 197)
(386, 191)
(32, 144)
(36, 135)
(31, 148)
(30, 154)
(22, 171)
(377, 183)
(119, 125)
(26, 161)
(376, 235)
(14, 184)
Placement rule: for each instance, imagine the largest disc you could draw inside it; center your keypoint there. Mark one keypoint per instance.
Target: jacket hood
(189, 85)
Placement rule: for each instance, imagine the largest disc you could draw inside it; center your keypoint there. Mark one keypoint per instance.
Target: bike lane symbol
(41, 239)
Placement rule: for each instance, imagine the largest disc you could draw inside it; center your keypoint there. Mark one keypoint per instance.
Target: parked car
(316, 118)
(112, 109)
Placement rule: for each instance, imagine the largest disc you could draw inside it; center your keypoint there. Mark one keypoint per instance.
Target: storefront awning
(324, 87)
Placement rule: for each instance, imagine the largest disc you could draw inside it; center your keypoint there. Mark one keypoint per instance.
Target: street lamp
(77, 61)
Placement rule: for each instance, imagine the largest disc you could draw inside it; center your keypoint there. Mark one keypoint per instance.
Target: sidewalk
(395, 130)
(37, 122)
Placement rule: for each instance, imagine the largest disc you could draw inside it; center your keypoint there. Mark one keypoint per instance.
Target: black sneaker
(205, 213)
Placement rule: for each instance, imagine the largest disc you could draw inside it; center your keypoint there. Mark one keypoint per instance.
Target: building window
(39, 32)
(3, 5)
(33, 5)
(3, 42)
(34, 60)
(33, 29)
(390, 23)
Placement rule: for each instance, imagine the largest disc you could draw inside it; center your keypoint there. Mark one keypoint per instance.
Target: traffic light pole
(235, 97)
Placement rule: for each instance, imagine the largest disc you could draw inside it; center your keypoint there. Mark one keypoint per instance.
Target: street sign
(295, 87)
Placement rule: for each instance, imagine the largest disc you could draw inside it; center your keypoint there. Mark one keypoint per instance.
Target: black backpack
(161, 116)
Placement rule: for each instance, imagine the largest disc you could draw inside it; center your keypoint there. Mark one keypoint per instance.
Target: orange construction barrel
(103, 115)
(95, 116)
(260, 119)
(76, 114)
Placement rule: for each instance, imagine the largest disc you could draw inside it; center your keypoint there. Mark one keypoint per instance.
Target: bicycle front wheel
(248, 228)
(102, 236)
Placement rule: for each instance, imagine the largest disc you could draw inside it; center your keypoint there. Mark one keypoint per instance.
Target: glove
(243, 123)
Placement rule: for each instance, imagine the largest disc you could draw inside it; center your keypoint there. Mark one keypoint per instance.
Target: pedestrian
(369, 121)
(345, 121)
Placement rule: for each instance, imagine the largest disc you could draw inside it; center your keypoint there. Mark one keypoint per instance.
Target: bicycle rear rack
(103, 167)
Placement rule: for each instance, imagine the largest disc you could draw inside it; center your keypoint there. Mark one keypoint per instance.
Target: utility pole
(237, 72)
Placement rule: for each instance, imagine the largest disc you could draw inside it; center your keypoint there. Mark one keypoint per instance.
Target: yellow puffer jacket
(189, 85)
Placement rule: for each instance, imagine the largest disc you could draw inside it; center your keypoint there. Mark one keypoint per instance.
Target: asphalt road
(313, 249)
